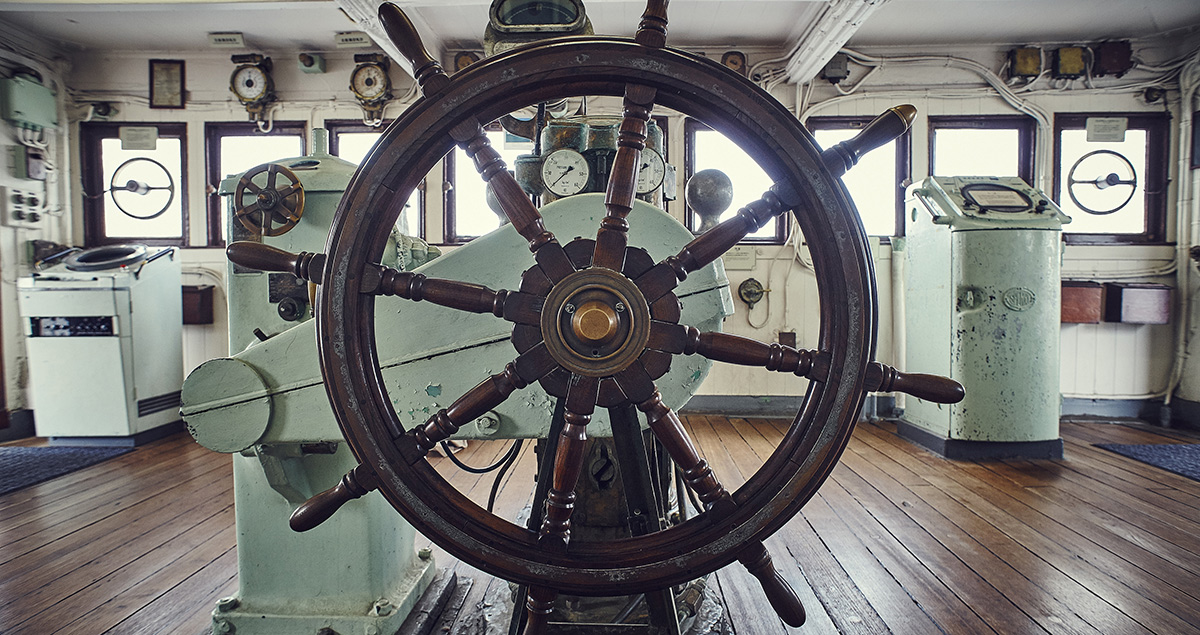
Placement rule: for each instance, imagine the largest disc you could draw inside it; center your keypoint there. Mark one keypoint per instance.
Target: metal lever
(321, 507)
(305, 265)
(935, 388)
(884, 128)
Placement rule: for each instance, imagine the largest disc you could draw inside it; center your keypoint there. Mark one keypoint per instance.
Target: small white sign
(138, 137)
(1100, 129)
(740, 258)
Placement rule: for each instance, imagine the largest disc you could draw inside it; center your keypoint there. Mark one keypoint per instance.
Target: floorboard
(898, 540)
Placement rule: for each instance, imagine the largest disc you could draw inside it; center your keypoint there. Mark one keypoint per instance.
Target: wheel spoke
(249, 209)
(272, 173)
(252, 186)
(514, 306)
(622, 180)
(568, 462)
(488, 394)
(710, 245)
(513, 201)
(665, 425)
(734, 349)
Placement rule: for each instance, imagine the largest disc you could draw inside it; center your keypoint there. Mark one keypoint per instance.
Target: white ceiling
(181, 25)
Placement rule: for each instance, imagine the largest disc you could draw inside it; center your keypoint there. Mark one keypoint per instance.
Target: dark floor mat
(1180, 458)
(21, 467)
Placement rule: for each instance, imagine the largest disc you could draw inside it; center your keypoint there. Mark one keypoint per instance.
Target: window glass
(471, 215)
(712, 150)
(143, 189)
(149, 185)
(872, 183)
(1109, 176)
(976, 152)
(354, 146)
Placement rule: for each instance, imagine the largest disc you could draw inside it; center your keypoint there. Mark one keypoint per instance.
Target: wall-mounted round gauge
(651, 172)
(565, 172)
(370, 82)
(735, 61)
(251, 83)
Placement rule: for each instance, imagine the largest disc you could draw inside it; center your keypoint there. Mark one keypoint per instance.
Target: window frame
(690, 126)
(1025, 126)
(1158, 148)
(338, 126)
(91, 167)
(214, 131)
(903, 160)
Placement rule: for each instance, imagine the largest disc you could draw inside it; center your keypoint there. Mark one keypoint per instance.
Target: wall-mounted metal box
(198, 304)
(1137, 303)
(1082, 302)
(27, 103)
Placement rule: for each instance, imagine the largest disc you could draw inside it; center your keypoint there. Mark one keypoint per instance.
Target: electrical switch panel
(22, 208)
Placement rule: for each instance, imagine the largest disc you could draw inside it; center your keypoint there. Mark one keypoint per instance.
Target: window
(467, 212)
(1123, 183)
(233, 148)
(707, 148)
(876, 184)
(352, 141)
(134, 195)
(982, 146)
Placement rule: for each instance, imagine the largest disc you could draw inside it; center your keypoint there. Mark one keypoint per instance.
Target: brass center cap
(595, 322)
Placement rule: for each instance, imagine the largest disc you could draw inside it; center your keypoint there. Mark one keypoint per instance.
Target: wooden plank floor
(897, 540)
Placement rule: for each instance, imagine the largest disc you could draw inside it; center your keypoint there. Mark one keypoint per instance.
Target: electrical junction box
(1068, 63)
(21, 207)
(1112, 58)
(27, 103)
(1025, 62)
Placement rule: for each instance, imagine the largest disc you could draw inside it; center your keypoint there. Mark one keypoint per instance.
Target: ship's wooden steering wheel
(594, 325)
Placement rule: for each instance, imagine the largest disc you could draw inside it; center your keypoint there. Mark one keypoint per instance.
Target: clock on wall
(371, 85)
(252, 84)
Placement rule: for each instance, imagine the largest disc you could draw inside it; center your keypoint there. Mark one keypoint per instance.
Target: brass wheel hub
(596, 322)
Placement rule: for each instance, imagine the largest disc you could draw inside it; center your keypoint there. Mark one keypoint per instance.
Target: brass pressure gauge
(651, 172)
(371, 85)
(565, 172)
(251, 82)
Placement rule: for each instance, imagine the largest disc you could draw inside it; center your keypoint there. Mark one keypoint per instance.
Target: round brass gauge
(734, 61)
(565, 172)
(370, 82)
(463, 59)
(251, 83)
(651, 172)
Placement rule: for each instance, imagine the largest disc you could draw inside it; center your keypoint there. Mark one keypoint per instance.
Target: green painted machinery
(268, 406)
(360, 573)
(983, 300)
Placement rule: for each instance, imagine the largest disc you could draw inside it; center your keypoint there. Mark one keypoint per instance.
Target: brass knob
(595, 322)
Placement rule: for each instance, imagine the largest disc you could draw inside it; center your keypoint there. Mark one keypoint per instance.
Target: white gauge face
(650, 172)
(565, 172)
(369, 82)
(249, 83)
